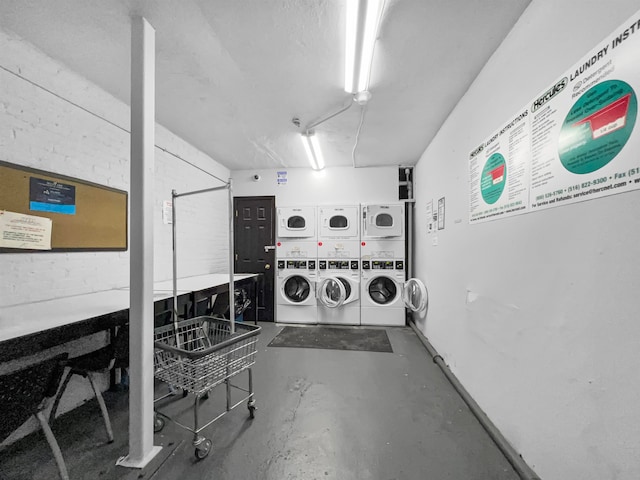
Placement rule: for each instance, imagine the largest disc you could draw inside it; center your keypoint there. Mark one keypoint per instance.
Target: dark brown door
(254, 237)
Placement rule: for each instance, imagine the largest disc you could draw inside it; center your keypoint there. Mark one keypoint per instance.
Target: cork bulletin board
(84, 215)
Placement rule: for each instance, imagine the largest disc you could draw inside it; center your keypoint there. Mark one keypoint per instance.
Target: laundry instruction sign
(499, 171)
(575, 141)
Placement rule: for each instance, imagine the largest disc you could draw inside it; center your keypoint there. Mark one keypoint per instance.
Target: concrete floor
(322, 414)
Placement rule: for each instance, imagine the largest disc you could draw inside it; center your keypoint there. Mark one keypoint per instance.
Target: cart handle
(254, 330)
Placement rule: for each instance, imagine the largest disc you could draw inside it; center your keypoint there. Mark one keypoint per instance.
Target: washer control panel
(338, 264)
(383, 264)
(297, 264)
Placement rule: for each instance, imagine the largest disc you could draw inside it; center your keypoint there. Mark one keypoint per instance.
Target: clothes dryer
(385, 221)
(339, 222)
(296, 222)
(338, 291)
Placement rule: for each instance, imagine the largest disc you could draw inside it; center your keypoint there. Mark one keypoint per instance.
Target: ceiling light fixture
(363, 17)
(312, 147)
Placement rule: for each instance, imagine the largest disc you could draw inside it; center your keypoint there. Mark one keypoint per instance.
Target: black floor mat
(334, 338)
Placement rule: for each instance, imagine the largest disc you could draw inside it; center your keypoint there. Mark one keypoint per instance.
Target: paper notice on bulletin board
(577, 140)
(24, 231)
(51, 196)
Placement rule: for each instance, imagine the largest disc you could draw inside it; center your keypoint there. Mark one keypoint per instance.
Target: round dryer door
(333, 291)
(415, 295)
(296, 289)
(382, 290)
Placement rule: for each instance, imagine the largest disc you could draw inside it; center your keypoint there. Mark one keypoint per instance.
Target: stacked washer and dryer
(338, 291)
(344, 265)
(383, 264)
(296, 255)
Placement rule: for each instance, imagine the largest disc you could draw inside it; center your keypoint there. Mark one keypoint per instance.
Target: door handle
(267, 266)
(268, 248)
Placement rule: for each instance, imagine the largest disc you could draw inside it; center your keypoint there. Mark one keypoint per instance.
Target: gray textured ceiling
(231, 74)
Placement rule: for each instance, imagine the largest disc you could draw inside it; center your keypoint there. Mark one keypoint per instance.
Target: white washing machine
(339, 222)
(296, 281)
(383, 221)
(338, 291)
(296, 222)
(296, 291)
(382, 283)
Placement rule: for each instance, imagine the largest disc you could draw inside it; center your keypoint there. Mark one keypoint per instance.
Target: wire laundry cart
(198, 354)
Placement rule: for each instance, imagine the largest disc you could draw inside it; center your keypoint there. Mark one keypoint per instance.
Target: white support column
(232, 256)
(141, 193)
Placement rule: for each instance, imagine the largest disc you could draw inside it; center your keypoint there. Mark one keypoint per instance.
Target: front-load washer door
(382, 290)
(382, 221)
(296, 222)
(296, 289)
(415, 295)
(338, 222)
(333, 292)
(351, 287)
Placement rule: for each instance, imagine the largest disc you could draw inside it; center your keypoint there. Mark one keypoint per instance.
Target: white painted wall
(330, 186)
(548, 340)
(53, 120)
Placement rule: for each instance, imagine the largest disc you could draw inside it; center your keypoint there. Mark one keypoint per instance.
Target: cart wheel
(203, 449)
(203, 396)
(158, 424)
(251, 406)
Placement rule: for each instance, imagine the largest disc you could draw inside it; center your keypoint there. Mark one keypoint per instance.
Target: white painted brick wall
(54, 120)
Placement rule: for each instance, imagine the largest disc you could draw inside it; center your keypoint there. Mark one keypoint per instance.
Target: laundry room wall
(53, 120)
(56, 121)
(537, 314)
(330, 186)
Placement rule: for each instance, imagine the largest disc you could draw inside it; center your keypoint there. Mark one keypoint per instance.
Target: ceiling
(232, 74)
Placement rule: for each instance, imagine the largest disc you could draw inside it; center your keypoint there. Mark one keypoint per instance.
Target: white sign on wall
(441, 213)
(281, 178)
(430, 216)
(167, 212)
(575, 141)
(499, 172)
(29, 232)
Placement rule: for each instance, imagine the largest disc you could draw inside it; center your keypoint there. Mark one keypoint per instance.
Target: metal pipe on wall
(174, 310)
(409, 213)
(232, 305)
(517, 462)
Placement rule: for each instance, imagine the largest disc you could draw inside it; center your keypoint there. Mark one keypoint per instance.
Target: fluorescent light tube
(315, 146)
(363, 17)
(312, 147)
(306, 141)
